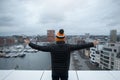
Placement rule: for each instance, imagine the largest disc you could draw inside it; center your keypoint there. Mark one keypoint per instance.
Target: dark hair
(61, 31)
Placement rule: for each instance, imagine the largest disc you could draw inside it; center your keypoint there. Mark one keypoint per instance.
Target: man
(60, 54)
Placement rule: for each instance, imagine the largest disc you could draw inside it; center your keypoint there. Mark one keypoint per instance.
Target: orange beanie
(60, 35)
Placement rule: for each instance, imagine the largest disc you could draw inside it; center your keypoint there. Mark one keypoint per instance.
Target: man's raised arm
(38, 47)
(83, 46)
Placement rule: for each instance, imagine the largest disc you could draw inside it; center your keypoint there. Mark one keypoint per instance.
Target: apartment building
(110, 57)
(95, 54)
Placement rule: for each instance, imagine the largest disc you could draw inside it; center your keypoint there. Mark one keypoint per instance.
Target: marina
(16, 51)
(20, 58)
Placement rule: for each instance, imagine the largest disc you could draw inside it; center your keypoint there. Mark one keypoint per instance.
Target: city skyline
(32, 17)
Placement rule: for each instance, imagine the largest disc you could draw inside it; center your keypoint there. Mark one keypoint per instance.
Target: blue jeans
(59, 75)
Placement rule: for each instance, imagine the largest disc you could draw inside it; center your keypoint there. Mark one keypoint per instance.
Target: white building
(110, 56)
(95, 54)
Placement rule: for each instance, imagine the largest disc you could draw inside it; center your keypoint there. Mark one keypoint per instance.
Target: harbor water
(32, 61)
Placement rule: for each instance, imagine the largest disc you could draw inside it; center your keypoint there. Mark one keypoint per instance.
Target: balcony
(46, 75)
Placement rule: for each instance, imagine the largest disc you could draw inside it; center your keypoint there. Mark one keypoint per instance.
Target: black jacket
(60, 53)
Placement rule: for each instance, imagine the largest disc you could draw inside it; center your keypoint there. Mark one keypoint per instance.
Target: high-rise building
(87, 35)
(118, 37)
(113, 36)
(50, 35)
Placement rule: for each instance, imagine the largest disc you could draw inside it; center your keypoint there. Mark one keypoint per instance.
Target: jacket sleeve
(81, 46)
(40, 48)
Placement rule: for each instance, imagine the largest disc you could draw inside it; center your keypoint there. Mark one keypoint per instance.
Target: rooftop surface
(46, 75)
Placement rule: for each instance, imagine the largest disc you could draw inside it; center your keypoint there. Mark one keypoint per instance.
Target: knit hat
(60, 36)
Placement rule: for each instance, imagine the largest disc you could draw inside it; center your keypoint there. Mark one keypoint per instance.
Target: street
(80, 63)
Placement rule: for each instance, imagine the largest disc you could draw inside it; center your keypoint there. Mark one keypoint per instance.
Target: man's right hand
(96, 42)
(27, 41)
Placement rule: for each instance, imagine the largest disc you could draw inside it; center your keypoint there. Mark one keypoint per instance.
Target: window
(93, 55)
(101, 62)
(112, 44)
(112, 63)
(97, 52)
(106, 61)
(93, 49)
(112, 54)
(112, 59)
(101, 59)
(101, 55)
(105, 64)
(118, 55)
(101, 51)
(105, 68)
(106, 53)
(107, 49)
(111, 67)
(115, 50)
(106, 57)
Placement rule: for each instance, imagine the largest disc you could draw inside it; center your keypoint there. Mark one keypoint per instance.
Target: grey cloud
(51, 18)
(93, 16)
(7, 9)
(6, 21)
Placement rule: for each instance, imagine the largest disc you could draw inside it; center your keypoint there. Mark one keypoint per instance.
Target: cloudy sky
(32, 17)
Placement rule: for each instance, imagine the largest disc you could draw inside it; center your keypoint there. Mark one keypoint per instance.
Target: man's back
(60, 57)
